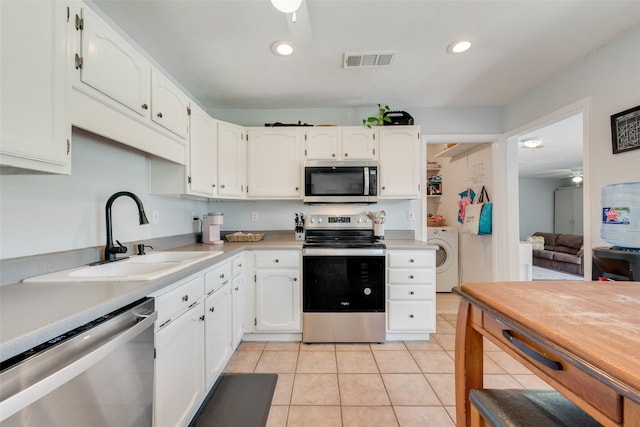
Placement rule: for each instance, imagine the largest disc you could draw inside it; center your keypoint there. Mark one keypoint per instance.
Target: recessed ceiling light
(532, 142)
(286, 6)
(459, 46)
(282, 48)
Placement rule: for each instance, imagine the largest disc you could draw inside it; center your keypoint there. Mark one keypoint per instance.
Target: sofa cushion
(570, 241)
(549, 238)
(543, 254)
(572, 259)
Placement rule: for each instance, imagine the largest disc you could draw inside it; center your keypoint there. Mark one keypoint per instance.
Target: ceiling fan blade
(300, 27)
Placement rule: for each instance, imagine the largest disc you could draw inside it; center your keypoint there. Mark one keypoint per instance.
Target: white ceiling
(219, 50)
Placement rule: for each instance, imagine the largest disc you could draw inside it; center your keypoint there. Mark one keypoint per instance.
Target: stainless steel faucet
(110, 250)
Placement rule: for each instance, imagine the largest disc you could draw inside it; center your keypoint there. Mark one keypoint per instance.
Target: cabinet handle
(538, 357)
(239, 265)
(384, 188)
(346, 154)
(333, 154)
(411, 260)
(237, 288)
(202, 318)
(185, 298)
(277, 260)
(222, 276)
(145, 107)
(295, 279)
(411, 276)
(411, 316)
(411, 293)
(212, 309)
(222, 186)
(159, 115)
(297, 188)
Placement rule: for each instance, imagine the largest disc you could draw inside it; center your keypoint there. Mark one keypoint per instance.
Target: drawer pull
(185, 298)
(237, 288)
(552, 364)
(411, 316)
(412, 260)
(411, 276)
(411, 293)
(192, 305)
(277, 261)
(222, 276)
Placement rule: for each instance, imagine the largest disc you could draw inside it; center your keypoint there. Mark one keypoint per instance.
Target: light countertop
(32, 313)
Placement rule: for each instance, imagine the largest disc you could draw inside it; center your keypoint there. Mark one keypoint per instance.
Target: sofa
(562, 252)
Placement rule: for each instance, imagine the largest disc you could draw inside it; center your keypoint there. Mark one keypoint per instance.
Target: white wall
(536, 205)
(50, 213)
(610, 79)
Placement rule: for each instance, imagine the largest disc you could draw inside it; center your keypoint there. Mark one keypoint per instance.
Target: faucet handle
(141, 247)
(120, 249)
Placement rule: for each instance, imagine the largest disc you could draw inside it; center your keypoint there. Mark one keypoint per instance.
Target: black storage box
(398, 118)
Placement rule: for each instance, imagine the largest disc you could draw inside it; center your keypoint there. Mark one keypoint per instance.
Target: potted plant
(379, 119)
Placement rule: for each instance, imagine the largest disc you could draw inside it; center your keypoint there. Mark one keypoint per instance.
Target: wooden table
(583, 338)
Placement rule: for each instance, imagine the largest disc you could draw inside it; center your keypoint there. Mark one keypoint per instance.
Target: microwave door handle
(366, 181)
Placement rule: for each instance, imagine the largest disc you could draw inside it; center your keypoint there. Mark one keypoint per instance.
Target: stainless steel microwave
(352, 181)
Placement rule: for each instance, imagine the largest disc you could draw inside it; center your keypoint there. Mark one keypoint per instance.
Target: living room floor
(401, 383)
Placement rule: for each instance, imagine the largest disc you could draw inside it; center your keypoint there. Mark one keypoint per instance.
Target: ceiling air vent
(369, 59)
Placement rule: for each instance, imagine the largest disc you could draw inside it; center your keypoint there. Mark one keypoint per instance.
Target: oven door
(343, 280)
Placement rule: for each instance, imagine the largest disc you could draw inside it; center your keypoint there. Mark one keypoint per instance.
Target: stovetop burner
(341, 232)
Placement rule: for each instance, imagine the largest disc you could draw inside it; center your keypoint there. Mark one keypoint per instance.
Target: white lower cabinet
(217, 329)
(277, 277)
(179, 377)
(411, 290)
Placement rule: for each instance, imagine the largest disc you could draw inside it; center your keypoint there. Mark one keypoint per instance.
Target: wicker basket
(437, 222)
(247, 237)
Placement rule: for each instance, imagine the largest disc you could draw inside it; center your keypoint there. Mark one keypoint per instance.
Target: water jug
(621, 215)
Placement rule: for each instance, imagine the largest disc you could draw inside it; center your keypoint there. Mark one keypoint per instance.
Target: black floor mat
(237, 400)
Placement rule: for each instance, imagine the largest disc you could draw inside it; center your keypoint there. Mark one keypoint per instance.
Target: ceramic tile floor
(404, 383)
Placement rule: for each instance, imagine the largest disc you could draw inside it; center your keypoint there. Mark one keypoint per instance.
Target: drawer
(570, 376)
(412, 259)
(423, 276)
(238, 265)
(175, 301)
(411, 292)
(277, 259)
(215, 278)
(412, 316)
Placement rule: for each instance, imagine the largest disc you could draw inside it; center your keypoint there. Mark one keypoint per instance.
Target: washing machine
(446, 238)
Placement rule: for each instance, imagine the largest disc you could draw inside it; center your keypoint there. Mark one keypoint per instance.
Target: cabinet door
(232, 160)
(358, 143)
(179, 376)
(321, 143)
(203, 153)
(399, 162)
(274, 163)
(239, 292)
(278, 300)
(169, 106)
(35, 131)
(217, 333)
(111, 65)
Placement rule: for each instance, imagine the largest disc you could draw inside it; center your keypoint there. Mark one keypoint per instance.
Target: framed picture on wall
(625, 130)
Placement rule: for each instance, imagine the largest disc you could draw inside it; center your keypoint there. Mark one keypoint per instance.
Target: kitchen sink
(142, 267)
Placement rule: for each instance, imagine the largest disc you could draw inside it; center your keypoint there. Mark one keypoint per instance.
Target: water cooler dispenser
(620, 227)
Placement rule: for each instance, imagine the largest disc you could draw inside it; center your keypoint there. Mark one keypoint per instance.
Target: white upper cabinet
(35, 134)
(399, 162)
(106, 62)
(275, 163)
(232, 161)
(340, 143)
(321, 143)
(203, 153)
(169, 106)
(358, 143)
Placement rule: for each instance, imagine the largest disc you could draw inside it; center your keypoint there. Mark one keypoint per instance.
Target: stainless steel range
(343, 286)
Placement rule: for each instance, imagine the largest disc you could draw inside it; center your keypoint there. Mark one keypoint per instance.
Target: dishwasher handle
(23, 398)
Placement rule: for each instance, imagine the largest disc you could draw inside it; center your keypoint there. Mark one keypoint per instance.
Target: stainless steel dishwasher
(100, 374)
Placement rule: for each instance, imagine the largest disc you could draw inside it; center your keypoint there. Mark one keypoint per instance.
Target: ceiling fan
(297, 16)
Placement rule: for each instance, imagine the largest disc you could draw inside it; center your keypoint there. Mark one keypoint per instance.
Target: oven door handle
(85, 360)
(342, 252)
